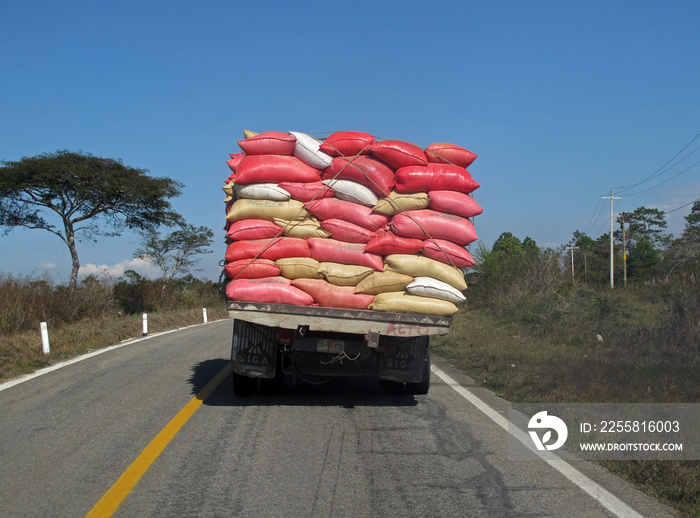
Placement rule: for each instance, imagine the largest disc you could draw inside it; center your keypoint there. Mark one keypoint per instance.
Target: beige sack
(298, 267)
(381, 282)
(396, 203)
(400, 302)
(309, 227)
(267, 210)
(248, 133)
(420, 266)
(344, 274)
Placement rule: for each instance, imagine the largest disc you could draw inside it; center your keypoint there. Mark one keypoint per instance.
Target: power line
(679, 208)
(660, 170)
(665, 181)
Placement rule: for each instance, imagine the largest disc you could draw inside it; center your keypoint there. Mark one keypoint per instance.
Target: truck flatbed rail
(360, 321)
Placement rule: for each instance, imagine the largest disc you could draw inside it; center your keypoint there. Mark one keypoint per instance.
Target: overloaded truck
(317, 343)
(344, 256)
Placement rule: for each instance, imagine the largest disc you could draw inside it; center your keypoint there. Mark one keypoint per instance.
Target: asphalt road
(344, 449)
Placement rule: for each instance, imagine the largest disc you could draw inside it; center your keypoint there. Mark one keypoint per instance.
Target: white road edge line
(16, 381)
(604, 497)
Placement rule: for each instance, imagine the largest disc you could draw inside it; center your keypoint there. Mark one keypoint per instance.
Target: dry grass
(546, 348)
(21, 353)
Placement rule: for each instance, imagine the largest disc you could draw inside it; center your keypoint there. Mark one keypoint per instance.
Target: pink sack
(247, 229)
(269, 143)
(333, 208)
(307, 191)
(272, 249)
(443, 153)
(398, 153)
(429, 224)
(448, 252)
(233, 163)
(434, 177)
(347, 143)
(328, 295)
(341, 230)
(334, 251)
(387, 243)
(365, 170)
(275, 169)
(251, 269)
(454, 202)
(268, 290)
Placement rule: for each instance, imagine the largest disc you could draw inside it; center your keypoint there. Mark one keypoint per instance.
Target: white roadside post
(145, 324)
(204, 314)
(45, 338)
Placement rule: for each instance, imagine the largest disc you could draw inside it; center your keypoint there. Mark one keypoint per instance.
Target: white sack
(433, 288)
(306, 150)
(352, 191)
(261, 191)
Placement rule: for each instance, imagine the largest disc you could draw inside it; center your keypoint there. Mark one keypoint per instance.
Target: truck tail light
(284, 337)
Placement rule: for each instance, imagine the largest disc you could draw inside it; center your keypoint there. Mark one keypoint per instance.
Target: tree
(175, 253)
(644, 223)
(82, 191)
(684, 253)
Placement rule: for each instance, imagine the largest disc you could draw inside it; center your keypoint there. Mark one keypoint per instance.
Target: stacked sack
(349, 222)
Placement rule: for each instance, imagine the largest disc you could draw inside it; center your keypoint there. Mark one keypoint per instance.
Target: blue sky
(560, 100)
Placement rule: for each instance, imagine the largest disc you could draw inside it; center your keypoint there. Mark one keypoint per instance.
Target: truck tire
(243, 385)
(274, 386)
(424, 386)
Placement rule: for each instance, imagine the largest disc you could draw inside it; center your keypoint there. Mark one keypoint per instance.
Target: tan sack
(381, 282)
(401, 302)
(298, 267)
(396, 203)
(267, 210)
(344, 274)
(420, 266)
(306, 228)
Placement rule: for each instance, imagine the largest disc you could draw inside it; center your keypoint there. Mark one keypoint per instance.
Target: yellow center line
(113, 498)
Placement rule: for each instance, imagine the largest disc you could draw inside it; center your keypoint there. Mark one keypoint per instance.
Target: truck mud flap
(404, 359)
(254, 350)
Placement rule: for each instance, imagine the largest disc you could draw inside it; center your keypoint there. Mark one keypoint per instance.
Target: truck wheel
(243, 385)
(424, 386)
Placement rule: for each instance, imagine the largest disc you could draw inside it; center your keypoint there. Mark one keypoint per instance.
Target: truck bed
(356, 321)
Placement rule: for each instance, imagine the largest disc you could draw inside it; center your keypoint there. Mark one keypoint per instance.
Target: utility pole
(572, 248)
(624, 252)
(612, 250)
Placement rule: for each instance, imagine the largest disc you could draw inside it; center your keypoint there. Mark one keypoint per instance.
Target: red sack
(367, 171)
(443, 153)
(333, 208)
(307, 191)
(251, 269)
(329, 295)
(454, 202)
(448, 252)
(398, 153)
(334, 251)
(269, 143)
(233, 163)
(434, 177)
(269, 290)
(271, 249)
(247, 229)
(429, 224)
(275, 169)
(341, 230)
(387, 243)
(347, 143)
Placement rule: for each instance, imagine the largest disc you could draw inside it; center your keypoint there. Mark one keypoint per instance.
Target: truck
(315, 344)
